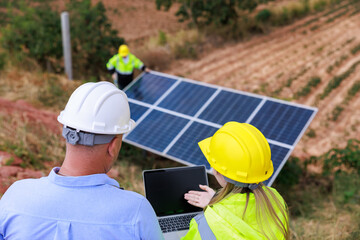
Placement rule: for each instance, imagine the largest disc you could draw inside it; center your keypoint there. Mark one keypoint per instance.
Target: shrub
(35, 29)
(263, 15)
(2, 60)
(162, 39)
(338, 160)
(311, 133)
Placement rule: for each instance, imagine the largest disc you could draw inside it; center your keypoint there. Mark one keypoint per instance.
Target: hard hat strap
(251, 186)
(88, 139)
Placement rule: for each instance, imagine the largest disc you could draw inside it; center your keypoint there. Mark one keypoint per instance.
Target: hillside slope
(283, 62)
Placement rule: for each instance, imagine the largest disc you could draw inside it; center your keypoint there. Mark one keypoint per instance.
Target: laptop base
(175, 235)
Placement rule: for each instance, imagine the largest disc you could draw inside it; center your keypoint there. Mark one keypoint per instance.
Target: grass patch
(32, 142)
(323, 205)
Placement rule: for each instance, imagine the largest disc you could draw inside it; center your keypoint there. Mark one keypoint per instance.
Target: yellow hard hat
(240, 152)
(124, 50)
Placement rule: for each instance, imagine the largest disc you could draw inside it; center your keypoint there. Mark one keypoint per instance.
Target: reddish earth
(263, 64)
(30, 113)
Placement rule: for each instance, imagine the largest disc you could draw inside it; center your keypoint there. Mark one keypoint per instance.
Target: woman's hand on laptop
(200, 198)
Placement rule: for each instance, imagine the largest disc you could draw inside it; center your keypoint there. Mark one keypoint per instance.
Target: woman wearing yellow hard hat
(244, 208)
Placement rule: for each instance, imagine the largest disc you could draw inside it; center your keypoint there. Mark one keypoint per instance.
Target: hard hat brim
(204, 147)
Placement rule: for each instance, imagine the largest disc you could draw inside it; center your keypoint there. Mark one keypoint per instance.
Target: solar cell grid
(281, 122)
(238, 108)
(149, 88)
(181, 112)
(157, 130)
(136, 111)
(187, 98)
(187, 145)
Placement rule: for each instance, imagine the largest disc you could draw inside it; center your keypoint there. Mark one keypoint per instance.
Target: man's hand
(198, 198)
(113, 76)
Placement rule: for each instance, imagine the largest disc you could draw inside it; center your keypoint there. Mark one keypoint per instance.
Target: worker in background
(244, 208)
(122, 65)
(78, 200)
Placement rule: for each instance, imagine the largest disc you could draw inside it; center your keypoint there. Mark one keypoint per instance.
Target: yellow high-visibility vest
(125, 68)
(224, 220)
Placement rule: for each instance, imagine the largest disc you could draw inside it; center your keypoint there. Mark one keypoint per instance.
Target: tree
(33, 27)
(202, 12)
(92, 36)
(34, 31)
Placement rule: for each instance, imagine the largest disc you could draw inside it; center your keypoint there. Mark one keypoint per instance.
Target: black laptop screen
(165, 188)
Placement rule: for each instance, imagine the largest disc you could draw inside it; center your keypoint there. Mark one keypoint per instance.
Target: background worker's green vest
(121, 67)
(224, 220)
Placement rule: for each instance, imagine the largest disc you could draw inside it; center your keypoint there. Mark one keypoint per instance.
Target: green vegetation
(3, 59)
(236, 18)
(313, 82)
(345, 160)
(336, 112)
(354, 89)
(337, 63)
(35, 30)
(355, 49)
(329, 20)
(311, 133)
(29, 141)
(335, 81)
(216, 12)
(326, 197)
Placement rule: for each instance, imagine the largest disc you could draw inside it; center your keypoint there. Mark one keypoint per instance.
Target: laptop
(165, 189)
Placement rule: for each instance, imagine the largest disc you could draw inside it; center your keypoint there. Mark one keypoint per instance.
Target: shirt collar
(81, 181)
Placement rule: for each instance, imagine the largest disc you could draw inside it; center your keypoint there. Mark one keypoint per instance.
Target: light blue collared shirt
(85, 207)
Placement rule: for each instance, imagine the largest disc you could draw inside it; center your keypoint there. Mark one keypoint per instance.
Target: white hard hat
(99, 108)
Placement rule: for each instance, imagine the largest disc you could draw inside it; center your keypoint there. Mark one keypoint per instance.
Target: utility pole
(65, 31)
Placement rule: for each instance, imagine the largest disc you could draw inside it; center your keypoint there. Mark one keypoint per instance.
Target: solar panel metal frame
(192, 119)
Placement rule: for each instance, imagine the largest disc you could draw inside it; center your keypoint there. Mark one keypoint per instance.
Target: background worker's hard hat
(99, 108)
(240, 152)
(124, 50)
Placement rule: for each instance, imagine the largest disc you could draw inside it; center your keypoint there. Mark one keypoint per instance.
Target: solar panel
(173, 114)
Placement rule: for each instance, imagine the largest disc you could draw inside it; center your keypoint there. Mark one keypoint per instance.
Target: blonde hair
(266, 203)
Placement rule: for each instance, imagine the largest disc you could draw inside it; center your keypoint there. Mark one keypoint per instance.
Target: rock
(6, 158)
(27, 173)
(10, 171)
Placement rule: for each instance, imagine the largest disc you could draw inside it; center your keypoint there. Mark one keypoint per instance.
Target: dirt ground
(263, 64)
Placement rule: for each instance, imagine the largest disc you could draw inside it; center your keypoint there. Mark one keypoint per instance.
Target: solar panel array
(173, 114)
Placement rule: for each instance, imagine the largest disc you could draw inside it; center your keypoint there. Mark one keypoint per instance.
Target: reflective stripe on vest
(204, 228)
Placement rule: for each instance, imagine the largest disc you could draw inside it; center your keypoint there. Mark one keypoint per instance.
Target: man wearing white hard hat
(79, 201)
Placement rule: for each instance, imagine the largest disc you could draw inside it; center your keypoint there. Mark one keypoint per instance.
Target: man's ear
(115, 145)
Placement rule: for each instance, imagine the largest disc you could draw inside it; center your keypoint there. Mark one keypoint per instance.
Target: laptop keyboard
(177, 223)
